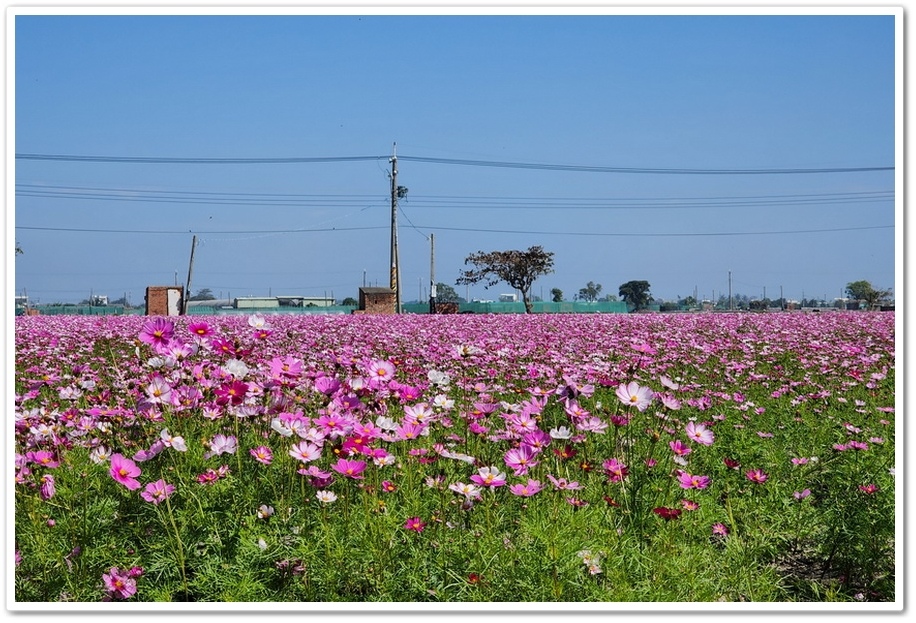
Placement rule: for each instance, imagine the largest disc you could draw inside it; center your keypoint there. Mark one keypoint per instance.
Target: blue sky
(701, 93)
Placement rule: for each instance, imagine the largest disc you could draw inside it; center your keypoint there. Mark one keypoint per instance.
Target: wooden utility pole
(394, 285)
(432, 273)
(187, 290)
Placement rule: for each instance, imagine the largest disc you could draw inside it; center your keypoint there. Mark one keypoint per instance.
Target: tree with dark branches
(519, 269)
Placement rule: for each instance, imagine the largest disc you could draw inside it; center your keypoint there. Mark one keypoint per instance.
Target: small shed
(376, 301)
(164, 300)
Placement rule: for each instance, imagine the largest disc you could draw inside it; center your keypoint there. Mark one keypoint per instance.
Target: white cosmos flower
(257, 321)
(560, 433)
(236, 368)
(277, 426)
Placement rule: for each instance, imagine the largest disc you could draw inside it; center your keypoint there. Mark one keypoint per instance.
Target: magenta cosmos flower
(615, 470)
(415, 524)
(687, 481)
(520, 459)
(757, 475)
(350, 469)
(157, 332)
(124, 471)
(119, 584)
(632, 394)
(526, 490)
(158, 491)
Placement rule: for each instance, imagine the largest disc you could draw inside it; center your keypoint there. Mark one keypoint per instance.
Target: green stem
(179, 549)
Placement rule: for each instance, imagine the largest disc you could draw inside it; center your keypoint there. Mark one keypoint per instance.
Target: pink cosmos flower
(561, 484)
(526, 490)
(688, 481)
(159, 391)
(408, 431)
(679, 447)
(157, 332)
(382, 371)
(222, 444)
(158, 491)
(489, 477)
(869, 489)
(124, 471)
(699, 434)
(350, 469)
(520, 459)
(719, 529)
(262, 454)
(233, 392)
(415, 524)
(200, 330)
(305, 452)
(289, 367)
(615, 470)
(43, 458)
(467, 490)
(632, 394)
(119, 584)
(756, 475)
(47, 487)
(801, 495)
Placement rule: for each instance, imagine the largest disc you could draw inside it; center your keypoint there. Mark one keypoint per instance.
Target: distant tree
(350, 301)
(687, 302)
(590, 292)
(635, 293)
(859, 290)
(556, 295)
(447, 294)
(519, 269)
(864, 292)
(204, 294)
(610, 298)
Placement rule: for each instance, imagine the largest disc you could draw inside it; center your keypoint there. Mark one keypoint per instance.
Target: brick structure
(164, 300)
(376, 301)
(446, 308)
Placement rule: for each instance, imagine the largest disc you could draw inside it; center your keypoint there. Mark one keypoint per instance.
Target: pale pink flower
(699, 434)
(632, 394)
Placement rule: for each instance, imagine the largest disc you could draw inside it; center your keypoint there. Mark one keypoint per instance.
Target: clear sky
(692, 102)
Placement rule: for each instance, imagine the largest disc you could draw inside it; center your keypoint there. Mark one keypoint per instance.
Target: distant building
(376, 301)
(508, 298)
(255, 302)
(164, 300)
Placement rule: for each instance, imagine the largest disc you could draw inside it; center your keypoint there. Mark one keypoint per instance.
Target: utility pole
(432, 273)
(187, 292)
(730, 291)
(394, 230)
(782, 301)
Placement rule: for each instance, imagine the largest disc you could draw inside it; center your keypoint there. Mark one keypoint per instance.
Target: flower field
(485, 458)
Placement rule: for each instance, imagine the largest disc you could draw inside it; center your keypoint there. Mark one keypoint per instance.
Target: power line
(679, 171)
(467, 229)
(446, 161)
(150, 231)
(656, 234)
(449, 202)
(174, 160)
